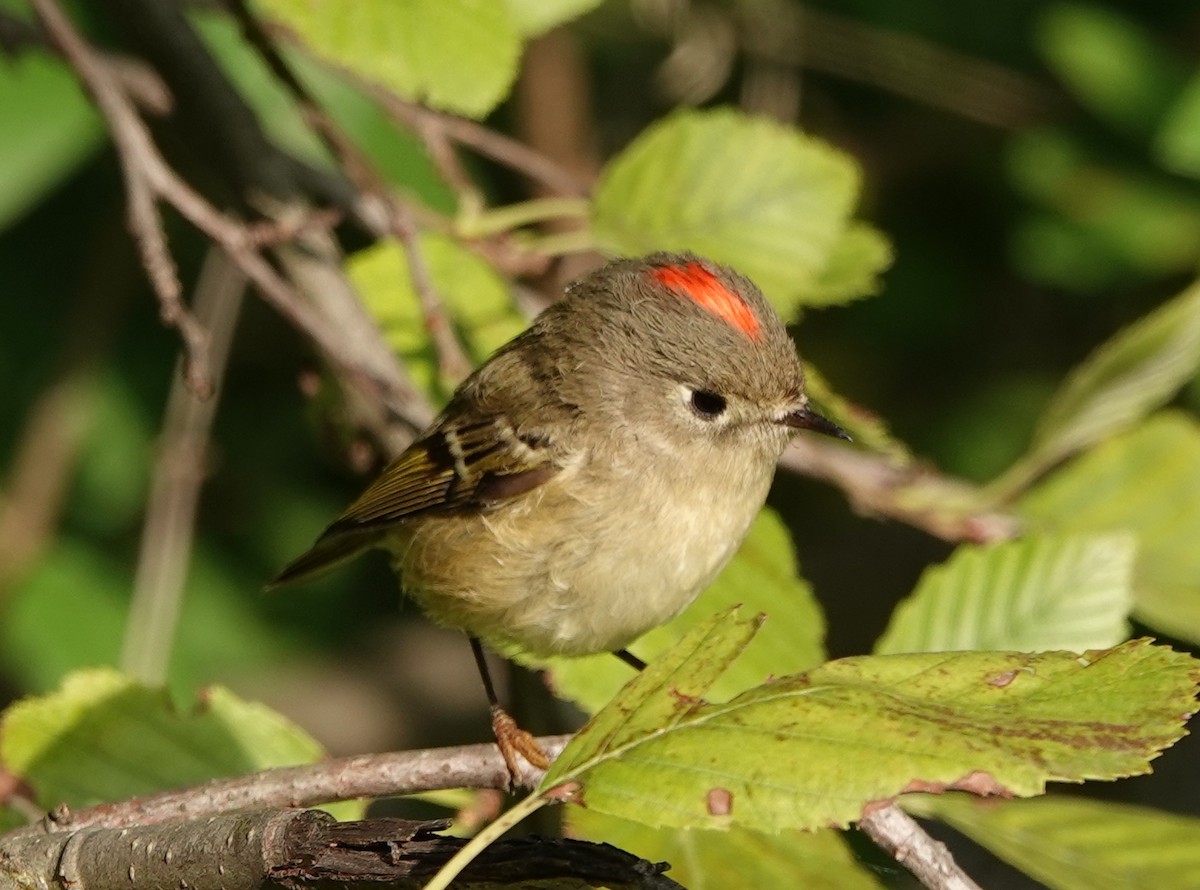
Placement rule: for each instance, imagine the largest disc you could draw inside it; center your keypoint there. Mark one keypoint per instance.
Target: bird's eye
(708, 404)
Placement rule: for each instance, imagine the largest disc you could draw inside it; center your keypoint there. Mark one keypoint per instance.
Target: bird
(593, 476)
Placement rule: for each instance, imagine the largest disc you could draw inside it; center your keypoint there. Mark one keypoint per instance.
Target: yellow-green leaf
(103, 737)
(1069, 843)
(812, 750)
(1147, 482)
(1125, 379)
(762, 197)
(1064, 592)
(535, 17)
(477, 299)
(458, 55)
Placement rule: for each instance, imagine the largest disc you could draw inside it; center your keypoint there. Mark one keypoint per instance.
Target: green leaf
(1126, 378)
(1178, 143)
(458, 55)
(812, 750)
(1147, 482)
(396, 153)
(746, 191)
(47, 129)
(1075, 844)
(853, 267)
(476, 298)
(739, 857)
(1038, 593)
(534, 17)
(1115, 67)
(102, 737)
(762, 578)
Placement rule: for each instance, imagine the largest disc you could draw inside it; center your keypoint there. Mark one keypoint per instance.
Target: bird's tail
(330, 551)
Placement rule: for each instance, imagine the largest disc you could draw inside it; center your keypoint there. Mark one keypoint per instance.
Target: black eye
(708, 404)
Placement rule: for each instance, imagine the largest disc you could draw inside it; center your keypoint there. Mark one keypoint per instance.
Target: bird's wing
(460, 466)
(463, 465)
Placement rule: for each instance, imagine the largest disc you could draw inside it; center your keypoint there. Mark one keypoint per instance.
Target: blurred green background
(1035, 164)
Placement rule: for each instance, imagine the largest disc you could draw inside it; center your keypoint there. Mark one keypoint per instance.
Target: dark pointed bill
(807, 419)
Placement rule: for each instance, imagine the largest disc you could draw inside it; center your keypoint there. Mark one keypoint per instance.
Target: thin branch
(175, 484)
(350, 778)
(148, 178)
(946, 507)
(452, 358)
(903, 838)
(502, 149)
(136, 155)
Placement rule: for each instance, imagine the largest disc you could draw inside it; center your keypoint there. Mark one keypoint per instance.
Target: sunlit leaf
(762, 578)
(459, 55)
(535, 17)
(102, 737)
(396, 153)
(812, 750)
(1037, 593)
(764, 198)
(1126, 378)
(1147, 482)
(477, 299)
(1069, 843)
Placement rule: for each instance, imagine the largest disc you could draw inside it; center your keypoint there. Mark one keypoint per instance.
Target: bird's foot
(512, 740)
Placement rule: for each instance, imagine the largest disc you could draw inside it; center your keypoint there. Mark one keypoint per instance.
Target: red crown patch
(703, 288)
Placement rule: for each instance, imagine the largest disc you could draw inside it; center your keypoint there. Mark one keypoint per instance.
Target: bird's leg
(630, 659)
(510, 738)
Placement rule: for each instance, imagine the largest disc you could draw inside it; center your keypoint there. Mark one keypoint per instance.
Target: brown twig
(148, 178)
(141, 175)
(452, 358)
(349, 778)
(903, 838)
(509, 152)
(921, 497)
(176, 481)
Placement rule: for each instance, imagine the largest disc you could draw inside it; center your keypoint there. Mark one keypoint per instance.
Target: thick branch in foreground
(297, 848)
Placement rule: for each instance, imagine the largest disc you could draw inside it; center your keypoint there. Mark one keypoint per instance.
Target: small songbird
(593, 476)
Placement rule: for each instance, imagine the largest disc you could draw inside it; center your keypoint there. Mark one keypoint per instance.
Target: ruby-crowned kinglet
(590, 480)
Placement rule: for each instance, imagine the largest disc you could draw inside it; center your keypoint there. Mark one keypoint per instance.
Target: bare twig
(908, 843)
(137, 156)
(148, 178)
(509, 152)
(349, 778)
(877, 486)
(452, 358)
(175, 484)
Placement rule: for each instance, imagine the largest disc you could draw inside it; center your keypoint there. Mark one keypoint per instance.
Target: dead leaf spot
(719, 801)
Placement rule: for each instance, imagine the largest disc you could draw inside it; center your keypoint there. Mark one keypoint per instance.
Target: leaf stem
(460, 860)
(514, 216)
(561, 243)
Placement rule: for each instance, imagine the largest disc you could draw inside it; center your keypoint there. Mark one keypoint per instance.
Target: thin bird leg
(630, 659)
(510, 738)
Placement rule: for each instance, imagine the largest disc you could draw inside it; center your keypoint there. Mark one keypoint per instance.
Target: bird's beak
(807, 419)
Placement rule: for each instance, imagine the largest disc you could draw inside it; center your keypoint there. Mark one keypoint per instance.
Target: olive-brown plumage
(589, 480)
(594, 475)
